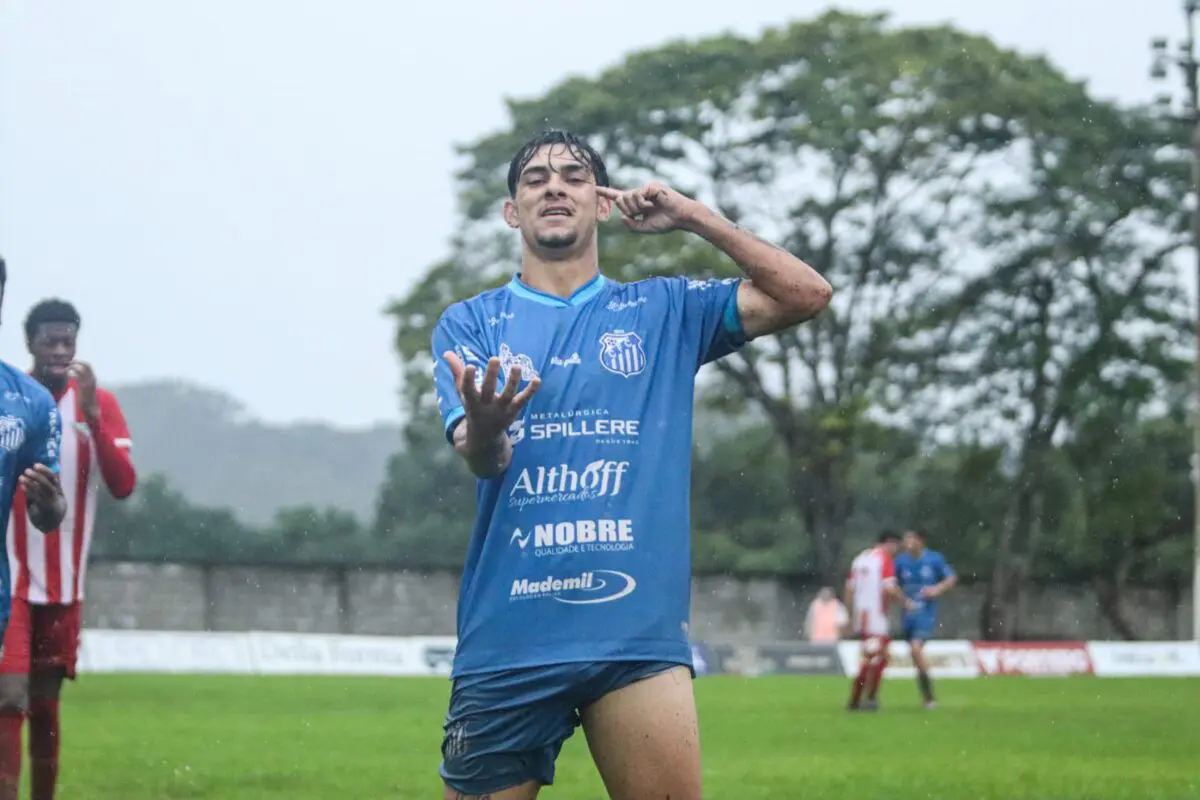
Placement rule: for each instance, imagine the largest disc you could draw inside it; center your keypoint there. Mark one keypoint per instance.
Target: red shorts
(41, 638)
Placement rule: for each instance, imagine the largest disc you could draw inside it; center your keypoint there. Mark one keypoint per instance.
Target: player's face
(53, 350)
(556, 206)
(913, 543)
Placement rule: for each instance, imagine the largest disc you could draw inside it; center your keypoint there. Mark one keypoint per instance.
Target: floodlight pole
(1185, 59)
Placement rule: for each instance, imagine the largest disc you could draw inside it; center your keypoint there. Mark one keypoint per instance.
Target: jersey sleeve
(45, 436)
(455, 332)
(711, 310)
(110, 434)
(888, 568)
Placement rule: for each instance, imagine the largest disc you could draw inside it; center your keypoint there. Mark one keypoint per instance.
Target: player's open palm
(654, 208)
(488, 412)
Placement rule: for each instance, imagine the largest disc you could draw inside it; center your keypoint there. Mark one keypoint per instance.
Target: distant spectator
(826, 619)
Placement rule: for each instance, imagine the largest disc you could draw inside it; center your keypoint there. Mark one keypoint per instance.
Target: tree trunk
(999, 617)
(825, 505)
(1110, 589)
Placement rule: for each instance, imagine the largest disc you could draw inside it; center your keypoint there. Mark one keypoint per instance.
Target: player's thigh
(874, 649)
(15, 660)
(54, 646)
(504, 731)
(645, 737)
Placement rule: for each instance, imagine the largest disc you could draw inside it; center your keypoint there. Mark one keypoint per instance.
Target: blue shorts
(507, 728)
(919, 627)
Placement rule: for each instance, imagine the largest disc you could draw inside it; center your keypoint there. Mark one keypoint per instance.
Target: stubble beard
(557, 240)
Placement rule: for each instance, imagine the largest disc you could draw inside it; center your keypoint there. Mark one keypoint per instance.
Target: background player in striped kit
(870, 587)
(30, 437)
(42, 641)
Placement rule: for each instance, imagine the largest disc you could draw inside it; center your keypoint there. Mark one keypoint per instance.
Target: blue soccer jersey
(581, 548)
(915, 574)
(30, 434)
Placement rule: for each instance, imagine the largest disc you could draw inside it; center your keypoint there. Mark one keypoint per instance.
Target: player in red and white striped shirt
(42, 641)
(869, 588)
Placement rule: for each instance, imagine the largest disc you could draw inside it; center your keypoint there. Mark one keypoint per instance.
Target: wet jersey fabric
(30, 433)
(581, 548)
(921, 572)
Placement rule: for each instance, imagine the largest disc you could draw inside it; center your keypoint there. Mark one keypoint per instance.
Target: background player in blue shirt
(30, 436)
(569, 395)
(924, 576)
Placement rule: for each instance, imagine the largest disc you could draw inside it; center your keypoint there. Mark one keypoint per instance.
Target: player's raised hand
(43, 496)
(85, 381)
(489, 413)
(654, 208)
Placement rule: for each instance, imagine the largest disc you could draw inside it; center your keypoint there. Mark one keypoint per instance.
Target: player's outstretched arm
(782, 290)
(481, 438)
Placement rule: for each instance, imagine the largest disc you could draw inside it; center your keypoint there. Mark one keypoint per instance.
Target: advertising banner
(947, 659)
(1042, 659)
(165, 652)
(1145, 659)
(776, 658)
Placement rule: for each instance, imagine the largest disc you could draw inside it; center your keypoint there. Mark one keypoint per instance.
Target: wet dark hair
(50, 311)
(583, 152)
(920, 534)
(889, 536)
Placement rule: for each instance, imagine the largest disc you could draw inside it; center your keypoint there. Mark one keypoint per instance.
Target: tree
(1081, 303)
(1133, 477)
(862, 148)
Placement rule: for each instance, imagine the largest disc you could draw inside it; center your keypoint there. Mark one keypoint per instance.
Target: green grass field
(151, 738)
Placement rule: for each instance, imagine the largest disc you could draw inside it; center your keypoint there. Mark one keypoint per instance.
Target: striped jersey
(49, 569)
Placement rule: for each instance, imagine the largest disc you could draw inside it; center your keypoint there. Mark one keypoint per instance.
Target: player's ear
(603, 207)
(511, 217)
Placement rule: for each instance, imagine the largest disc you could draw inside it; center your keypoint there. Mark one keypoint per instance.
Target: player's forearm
(796, 288)
(116, 464)
(486, 456)
(946, 585)
(46, 517)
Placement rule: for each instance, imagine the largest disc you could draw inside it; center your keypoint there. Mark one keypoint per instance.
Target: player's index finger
(608, 192)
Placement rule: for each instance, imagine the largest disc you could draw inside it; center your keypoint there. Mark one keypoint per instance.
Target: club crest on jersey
(518, 361)
(621, 353)
(12, 433)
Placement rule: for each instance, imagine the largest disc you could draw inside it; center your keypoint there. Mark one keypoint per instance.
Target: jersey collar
(578, 298)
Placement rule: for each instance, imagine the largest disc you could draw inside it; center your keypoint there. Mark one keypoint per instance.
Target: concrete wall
(177, 597)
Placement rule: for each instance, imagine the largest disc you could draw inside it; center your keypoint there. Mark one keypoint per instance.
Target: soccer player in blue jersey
(29, 441)
(924, 576)
(569, 395)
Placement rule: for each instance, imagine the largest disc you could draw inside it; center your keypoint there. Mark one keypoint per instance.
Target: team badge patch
(621, 353)
(12, 433)
(518, 361)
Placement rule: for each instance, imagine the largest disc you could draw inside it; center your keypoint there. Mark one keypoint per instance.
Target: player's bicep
(761, 315)
(114, 419)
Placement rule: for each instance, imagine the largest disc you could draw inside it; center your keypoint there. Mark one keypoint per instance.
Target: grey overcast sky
(231, 190)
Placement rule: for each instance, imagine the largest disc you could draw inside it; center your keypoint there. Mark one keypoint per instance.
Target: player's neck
(55, 387)
(559, 278)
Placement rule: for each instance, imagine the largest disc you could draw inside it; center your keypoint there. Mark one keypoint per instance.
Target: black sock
(926, 686)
